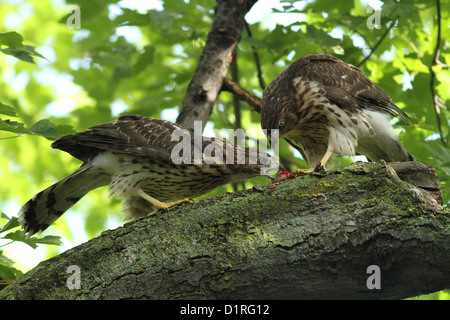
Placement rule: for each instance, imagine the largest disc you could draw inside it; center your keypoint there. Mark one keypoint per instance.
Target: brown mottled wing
(136, 135)
(345, 84)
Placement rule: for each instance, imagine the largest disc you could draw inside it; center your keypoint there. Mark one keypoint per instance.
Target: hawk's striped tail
(48, 205)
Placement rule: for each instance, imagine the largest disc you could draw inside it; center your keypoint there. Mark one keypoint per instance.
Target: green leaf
(321, 36)
(7, 110)
(404, 9)
(25, 53)
(122, 71)
(8, 272)
(33, 51)
(5, 260)
(11, 224)
(132, 18)
(20, 54)
(13, 126)
(33, 241)
(11, 39)
(145, 58)
(44, 128)
(21, 237)
(49, 130)
(49, 240)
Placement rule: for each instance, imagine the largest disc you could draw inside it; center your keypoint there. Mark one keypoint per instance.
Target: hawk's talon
(167, 206)
(319, 167)
(158, 204)
(303, 172)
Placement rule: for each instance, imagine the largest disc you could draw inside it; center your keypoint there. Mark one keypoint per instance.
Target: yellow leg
(158, 204)
(303, 172)
(318, 167)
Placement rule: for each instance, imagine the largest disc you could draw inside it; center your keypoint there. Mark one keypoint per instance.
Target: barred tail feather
(48, 205)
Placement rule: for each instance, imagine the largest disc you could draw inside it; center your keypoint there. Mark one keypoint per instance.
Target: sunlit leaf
(50, 240)
(11, 39)
(12, 126)
(32, 241)
(7, 110)
(11, 224)
(20, 54)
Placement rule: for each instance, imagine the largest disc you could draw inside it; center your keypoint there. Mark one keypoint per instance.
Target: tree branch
(212, 68)
(262, 84)
(233, 87)
(307, 238)
(437, 101)
(375, 47)
(236, 101)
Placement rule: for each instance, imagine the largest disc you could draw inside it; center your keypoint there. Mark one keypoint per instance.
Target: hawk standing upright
(322, 105)
(133, 155)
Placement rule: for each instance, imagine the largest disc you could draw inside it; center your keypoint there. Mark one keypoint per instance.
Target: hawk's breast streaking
(322, 105)
(133, 155)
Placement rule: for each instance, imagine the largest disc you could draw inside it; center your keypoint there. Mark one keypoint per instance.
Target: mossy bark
(306, 238)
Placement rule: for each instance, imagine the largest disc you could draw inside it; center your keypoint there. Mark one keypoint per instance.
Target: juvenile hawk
(133, 156)
(322, 105)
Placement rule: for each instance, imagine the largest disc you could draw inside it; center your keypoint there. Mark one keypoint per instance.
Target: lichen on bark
(309, 237)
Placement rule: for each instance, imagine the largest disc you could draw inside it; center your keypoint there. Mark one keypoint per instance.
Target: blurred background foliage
(137, 57)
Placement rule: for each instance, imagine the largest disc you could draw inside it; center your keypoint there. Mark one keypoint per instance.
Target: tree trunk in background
(312, 237)
(212, 68)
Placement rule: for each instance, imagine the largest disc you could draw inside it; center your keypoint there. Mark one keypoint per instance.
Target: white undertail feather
(370, 133)
(133, 207)
(384, 144)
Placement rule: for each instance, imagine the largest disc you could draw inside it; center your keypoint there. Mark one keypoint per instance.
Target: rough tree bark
(212, 68)
(306, 238)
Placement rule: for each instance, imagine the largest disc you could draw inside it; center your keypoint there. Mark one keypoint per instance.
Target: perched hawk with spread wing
(322, 105)
(133, 155)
